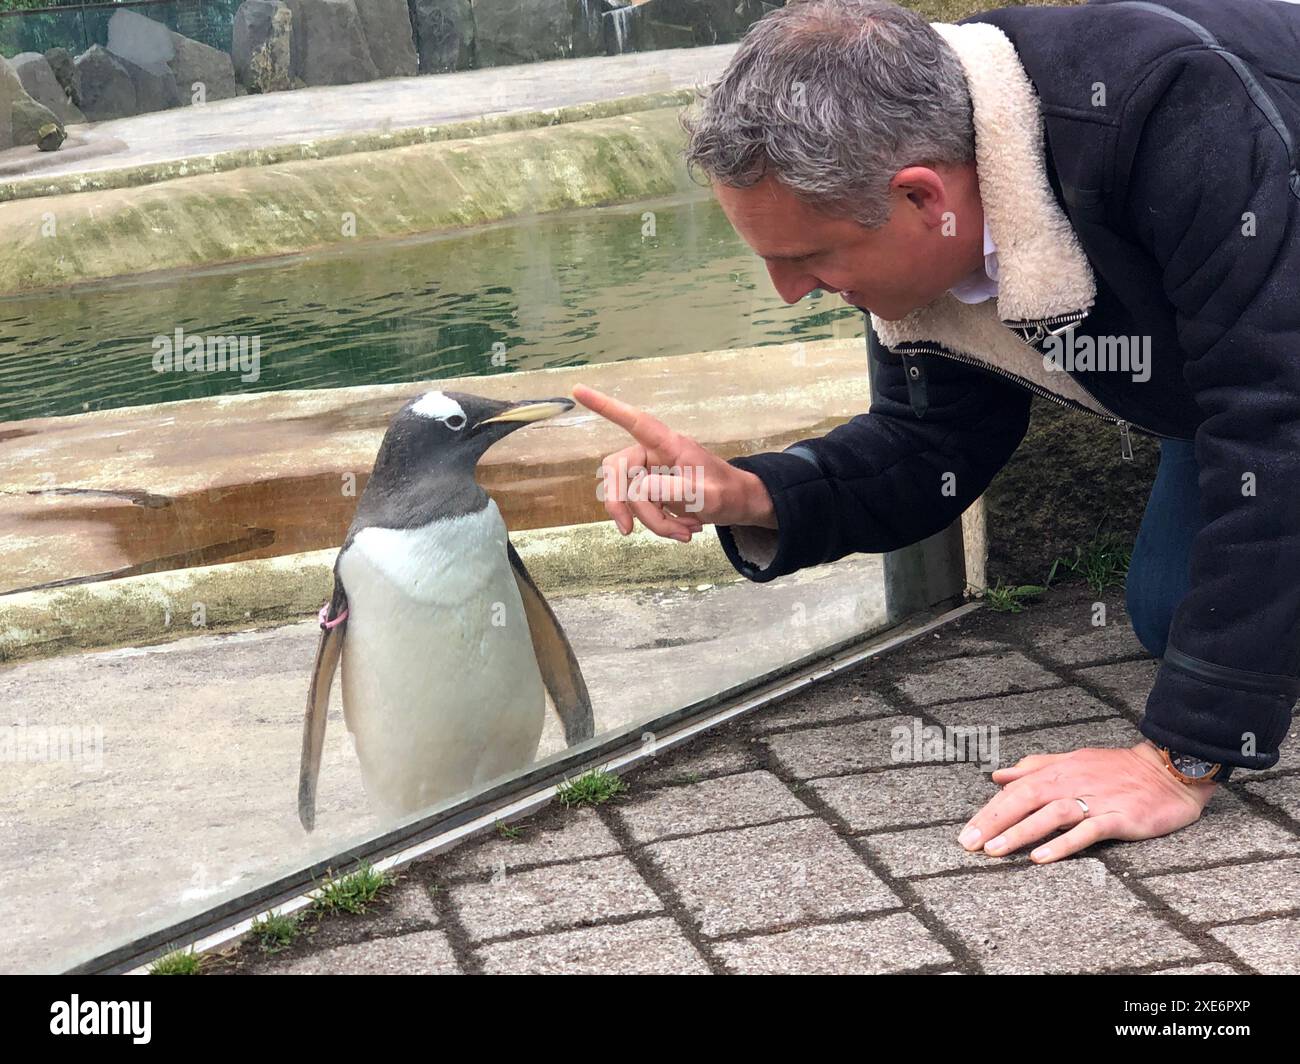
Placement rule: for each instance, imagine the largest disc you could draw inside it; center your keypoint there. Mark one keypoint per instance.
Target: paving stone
(1068, 916)
(404, 906)
(1078, 641)
(925, 851)
(895, 943)
(1058, 706)
(732, 801)
(1199, 969)
(947, 643)
(699, 758)
(764, 877)
(838, 749)
(561, 836)
(1268, 947)
(911, 795)
(1282, 792)
(1228, 830)
(1289, 754)
(419, 953)
(988, 674)
(558, 896)
(1232, 892)
(641, 947)
(820, 706)
(1110, 733)
(1130, 682)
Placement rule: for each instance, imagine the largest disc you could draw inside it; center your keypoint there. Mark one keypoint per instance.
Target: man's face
(891, 271)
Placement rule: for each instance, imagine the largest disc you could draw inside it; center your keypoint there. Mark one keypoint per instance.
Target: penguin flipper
(555, 658)
(328, 652)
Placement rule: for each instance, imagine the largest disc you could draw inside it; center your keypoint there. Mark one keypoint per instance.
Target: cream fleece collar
(1043, 271)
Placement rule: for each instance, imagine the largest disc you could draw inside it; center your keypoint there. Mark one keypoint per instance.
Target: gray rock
(329, 44)
(107, 90)
(678, 23)
(139, 40)
(524, 31)
(31, 122)
(11, 89)
(444, 34)
(197, 63)
(65, 70)
(387, 26)
(261, 41)
(37, 76)
(156, 88)
(150, 46)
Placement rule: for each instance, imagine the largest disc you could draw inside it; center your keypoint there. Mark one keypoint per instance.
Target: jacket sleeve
(1214, 197)
(889, 477)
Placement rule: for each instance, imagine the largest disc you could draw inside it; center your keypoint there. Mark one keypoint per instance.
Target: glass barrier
(185, 449)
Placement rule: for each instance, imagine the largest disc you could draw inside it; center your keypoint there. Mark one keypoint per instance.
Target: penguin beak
(524, 413)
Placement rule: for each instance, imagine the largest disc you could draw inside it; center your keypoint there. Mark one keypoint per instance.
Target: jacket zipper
(1037, 329)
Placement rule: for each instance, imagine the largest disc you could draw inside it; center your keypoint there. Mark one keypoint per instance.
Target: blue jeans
(1158, 575)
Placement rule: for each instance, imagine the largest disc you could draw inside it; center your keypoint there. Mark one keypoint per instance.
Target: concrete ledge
(160, 607)
(279, 209)
(37, 185)
(205, 481)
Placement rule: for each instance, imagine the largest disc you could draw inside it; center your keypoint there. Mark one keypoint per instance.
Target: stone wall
(276, 45)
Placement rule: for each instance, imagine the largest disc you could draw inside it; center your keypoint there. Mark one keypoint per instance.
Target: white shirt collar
(982, 284)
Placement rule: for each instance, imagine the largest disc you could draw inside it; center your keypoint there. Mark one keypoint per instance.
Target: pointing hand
(668, 481)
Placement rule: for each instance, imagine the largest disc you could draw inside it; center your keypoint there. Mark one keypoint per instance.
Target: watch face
(1191, 766)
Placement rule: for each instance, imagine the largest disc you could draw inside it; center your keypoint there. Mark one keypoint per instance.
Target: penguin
(445, 642)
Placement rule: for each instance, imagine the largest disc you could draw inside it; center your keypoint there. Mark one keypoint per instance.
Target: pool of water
(551, 290)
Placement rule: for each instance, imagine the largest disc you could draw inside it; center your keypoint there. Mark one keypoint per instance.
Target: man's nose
(791, 284)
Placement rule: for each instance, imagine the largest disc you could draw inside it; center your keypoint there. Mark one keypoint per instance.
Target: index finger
(645, 428)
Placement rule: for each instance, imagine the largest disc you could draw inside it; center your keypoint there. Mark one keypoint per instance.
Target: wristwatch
(1188, 768)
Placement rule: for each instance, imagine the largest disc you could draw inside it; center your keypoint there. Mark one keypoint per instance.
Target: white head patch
(440, 406)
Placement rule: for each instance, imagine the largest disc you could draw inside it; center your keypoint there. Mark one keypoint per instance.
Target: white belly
(441, 689)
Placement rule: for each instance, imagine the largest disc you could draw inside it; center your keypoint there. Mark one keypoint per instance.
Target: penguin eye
(455, 421)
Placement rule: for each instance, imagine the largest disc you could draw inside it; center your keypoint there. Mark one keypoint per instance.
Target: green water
(554, 290)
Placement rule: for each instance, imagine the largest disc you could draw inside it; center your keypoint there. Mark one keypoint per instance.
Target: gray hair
(833, 98)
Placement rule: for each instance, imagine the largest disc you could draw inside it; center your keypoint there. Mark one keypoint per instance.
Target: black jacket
(1183, 191)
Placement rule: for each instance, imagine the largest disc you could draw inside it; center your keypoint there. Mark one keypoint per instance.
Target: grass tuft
(351, 893)
(275, 931)
(591, 788)
(1009, 598)
(1102, 563)
(181, 962)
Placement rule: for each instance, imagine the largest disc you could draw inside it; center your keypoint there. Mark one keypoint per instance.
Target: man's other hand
(1130, 794)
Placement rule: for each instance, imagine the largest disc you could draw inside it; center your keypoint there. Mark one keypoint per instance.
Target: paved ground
(391, 104)
(789, 842)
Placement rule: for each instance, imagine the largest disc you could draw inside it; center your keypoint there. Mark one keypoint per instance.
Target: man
(860, 150)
